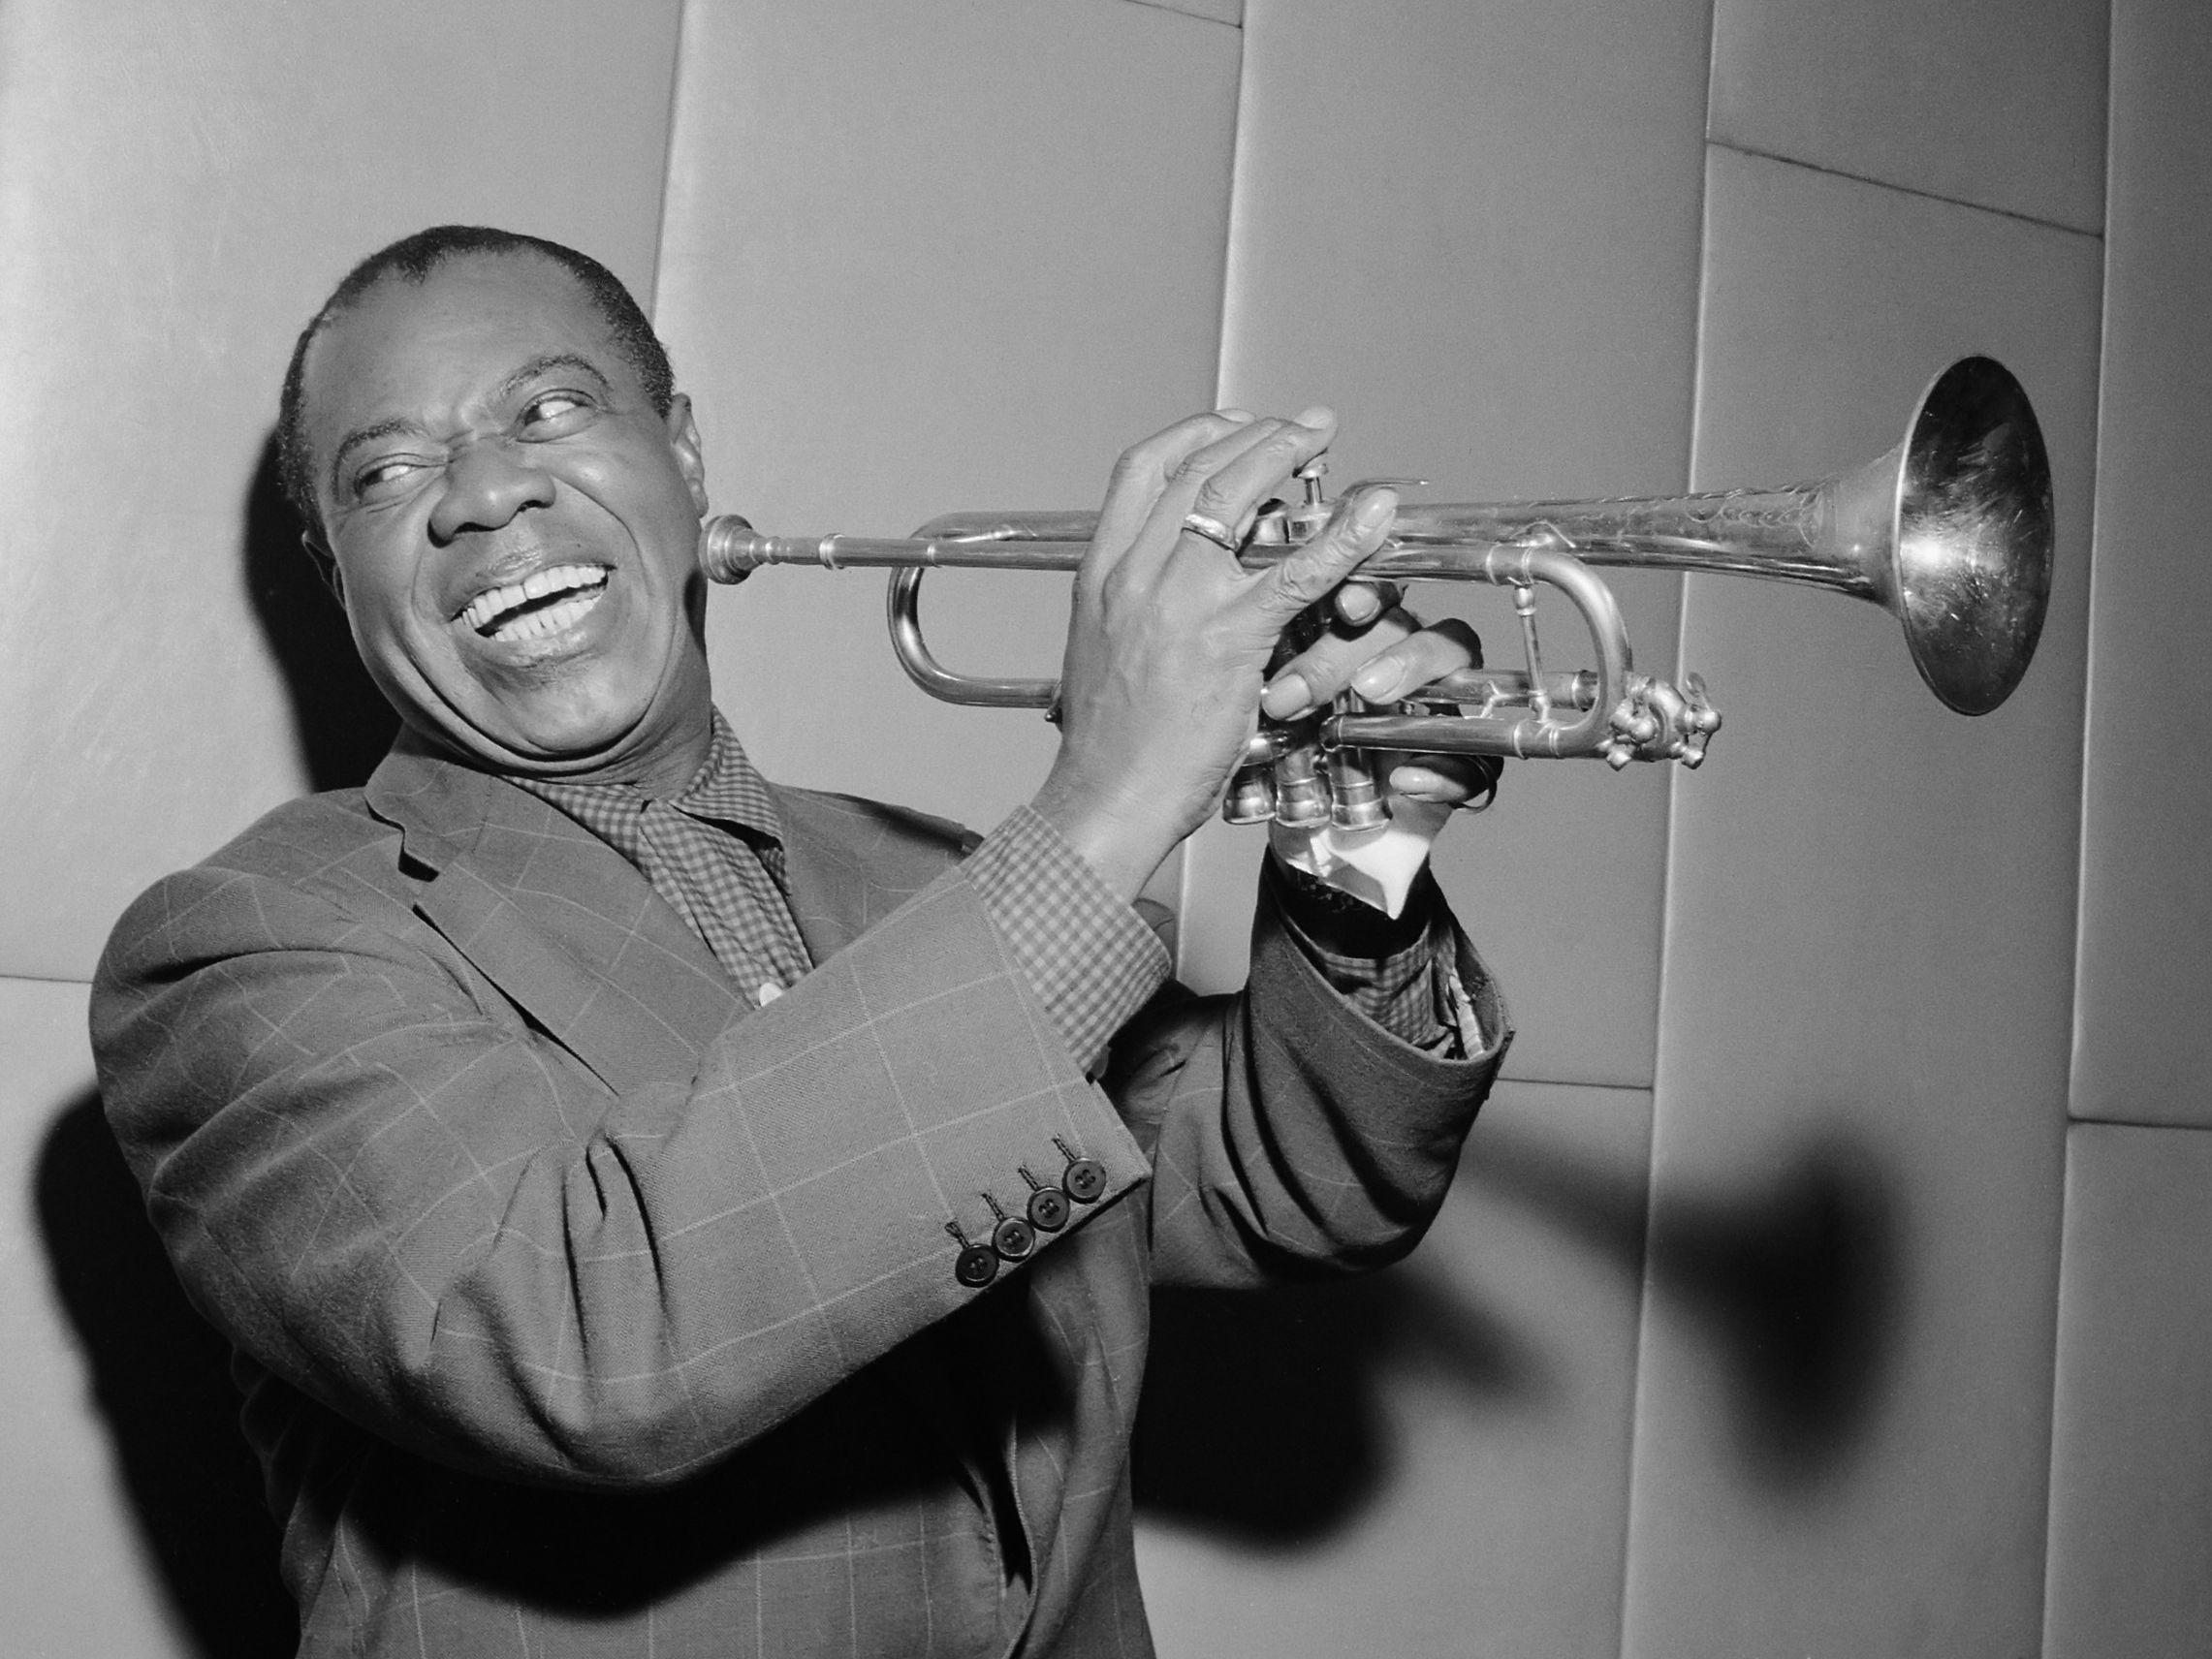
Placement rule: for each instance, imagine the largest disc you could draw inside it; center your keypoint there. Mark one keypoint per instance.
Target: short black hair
(413, 259)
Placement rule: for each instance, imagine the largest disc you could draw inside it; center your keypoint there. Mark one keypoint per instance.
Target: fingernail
(1286, 696)
(1244, 415)
(1376, 506)
(1320, 415)
(1378, 681)
(1358, 604)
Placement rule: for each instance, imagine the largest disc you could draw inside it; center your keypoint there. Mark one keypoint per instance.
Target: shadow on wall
(1263, 1414)
(162, 1381)
(339, 719)
(1797, 1285)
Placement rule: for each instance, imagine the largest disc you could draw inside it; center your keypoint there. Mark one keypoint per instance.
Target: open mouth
(544, 602)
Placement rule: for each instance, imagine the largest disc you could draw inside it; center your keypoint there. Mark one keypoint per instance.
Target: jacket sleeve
(1289, 1135)
(396, 1191)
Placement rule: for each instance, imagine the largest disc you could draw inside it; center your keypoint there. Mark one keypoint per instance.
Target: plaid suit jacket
(583, 1307)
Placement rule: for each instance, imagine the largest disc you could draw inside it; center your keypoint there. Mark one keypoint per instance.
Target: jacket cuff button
(1085, 1178)
(974, 1266)
(1048, 1210)
(1013, 1239)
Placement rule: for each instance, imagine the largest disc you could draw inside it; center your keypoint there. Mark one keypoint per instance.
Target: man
(659, 1213)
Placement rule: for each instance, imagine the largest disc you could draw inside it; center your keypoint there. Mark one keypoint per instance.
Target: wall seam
(668, 151)
(1237, 141)
(1666, 861)
(1925, 195)
(1183, 12)
(2074, 1033)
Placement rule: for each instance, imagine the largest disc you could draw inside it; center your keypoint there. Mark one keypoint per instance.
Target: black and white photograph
(1076, 828)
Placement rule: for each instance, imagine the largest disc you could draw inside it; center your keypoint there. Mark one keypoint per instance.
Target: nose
(486, 486)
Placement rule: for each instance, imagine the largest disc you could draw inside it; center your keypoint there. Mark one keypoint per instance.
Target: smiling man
(656, 1212)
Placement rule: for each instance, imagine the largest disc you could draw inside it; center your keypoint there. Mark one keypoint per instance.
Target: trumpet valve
(1301, 790)
(1251, 797)
(1354, 802)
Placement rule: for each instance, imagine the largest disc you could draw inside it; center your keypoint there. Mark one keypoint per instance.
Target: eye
(551, 414)
(386, 475)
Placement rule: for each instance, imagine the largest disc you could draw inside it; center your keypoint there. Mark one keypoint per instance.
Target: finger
(1358, 527)
(1359, 602)
(1402, 667)
(1228, 481)
(1317, 672)
(1444, 780)
(1142, 472)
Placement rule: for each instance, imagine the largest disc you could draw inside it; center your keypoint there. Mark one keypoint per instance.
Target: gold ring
(1212, 529)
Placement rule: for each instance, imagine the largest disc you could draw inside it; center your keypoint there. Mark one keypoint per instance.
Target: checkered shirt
(716, 853)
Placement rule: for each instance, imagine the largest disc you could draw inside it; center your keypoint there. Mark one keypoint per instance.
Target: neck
(660, 767)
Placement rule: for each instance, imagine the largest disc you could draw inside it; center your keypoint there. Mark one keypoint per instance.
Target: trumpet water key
(1950, 532)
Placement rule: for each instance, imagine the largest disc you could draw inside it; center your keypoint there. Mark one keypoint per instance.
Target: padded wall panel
(179, 186)
(1868, 977)
(1472, 1403)
(926, 257)
(2131, 1440)
(1999, 103)
(1473, 230)
(2144, 1048)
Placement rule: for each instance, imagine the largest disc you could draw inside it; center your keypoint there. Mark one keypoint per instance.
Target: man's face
(515, 527)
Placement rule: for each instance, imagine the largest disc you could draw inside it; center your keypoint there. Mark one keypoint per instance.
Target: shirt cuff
(1089, 956)
(1396, 971)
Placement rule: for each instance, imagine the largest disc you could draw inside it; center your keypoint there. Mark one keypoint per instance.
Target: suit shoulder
(322, 852)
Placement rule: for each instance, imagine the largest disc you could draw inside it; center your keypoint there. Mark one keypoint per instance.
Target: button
(1048, 1210)
(1085, 1178)
(974, 1266)
(1013, 1239)
(769, 991)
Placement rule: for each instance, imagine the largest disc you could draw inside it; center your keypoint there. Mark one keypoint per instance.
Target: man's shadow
(160, 1375)
(161, 1381)
(340, 721)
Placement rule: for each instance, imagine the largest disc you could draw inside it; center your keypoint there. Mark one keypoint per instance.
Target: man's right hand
(1171, 635)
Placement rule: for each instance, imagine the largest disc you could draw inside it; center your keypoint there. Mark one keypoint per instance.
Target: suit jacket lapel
(564, 925)
(554, 917)
(851, 862)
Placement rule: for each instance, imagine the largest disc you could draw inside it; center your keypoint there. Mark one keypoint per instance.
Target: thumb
(1311, 572)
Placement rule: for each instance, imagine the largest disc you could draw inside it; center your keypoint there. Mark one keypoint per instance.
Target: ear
(326, 561)
(684, 439)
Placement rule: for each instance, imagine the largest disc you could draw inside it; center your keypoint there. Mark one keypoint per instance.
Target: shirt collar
(728, 790)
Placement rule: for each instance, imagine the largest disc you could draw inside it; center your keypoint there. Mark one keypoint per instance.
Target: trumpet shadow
(1796, 1286)
(161, 1381)
(1263, 1416)
(341, 723)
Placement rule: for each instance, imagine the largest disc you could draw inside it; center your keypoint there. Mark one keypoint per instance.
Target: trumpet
(1950, 532)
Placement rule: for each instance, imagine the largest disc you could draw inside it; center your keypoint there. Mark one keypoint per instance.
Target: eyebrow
(513, 383)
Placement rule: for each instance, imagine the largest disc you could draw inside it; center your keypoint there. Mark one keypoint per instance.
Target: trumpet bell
(1953, 528)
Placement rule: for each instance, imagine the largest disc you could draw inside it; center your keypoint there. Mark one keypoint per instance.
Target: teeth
(496, 601)
(551, 621)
